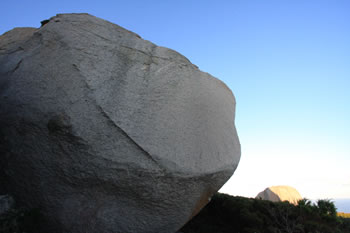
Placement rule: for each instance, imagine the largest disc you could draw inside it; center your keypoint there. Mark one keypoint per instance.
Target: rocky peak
(280, 193)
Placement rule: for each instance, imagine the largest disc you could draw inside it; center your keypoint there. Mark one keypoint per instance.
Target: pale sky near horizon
(287, 63)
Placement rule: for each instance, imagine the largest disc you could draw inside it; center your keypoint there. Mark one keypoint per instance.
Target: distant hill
(344, 215)
(280, 193)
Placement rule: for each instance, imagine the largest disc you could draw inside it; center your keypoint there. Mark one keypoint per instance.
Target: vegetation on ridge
(229, 214)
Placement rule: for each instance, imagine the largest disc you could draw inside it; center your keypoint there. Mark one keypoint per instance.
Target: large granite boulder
(280, 193)
(107, 132)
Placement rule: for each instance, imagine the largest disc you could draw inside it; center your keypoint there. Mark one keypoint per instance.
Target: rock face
(107, 132)
(280, 193)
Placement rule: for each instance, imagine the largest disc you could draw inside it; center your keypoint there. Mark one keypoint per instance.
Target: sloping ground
(224, 214)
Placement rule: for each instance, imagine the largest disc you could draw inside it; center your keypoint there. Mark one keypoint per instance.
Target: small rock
(6, 203)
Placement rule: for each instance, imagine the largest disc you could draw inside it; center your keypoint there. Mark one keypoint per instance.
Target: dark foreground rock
(106, 132)
(17, 219)
(6, 203)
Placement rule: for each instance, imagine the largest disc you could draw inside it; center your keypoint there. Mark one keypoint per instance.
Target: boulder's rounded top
(15, 37)
(182, 117)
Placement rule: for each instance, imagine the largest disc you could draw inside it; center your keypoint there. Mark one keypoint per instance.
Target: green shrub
(231, 214)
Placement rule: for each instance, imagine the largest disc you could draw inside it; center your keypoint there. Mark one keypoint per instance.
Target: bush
(227, 213)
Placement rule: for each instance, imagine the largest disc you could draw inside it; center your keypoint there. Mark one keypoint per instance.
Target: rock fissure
(112, 122)
(17, 66)
(13, 51)
(153, 56)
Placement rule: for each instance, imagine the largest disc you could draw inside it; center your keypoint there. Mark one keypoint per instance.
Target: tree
(326, 208)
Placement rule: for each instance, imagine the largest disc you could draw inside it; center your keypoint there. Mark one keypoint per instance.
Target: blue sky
(287, 62)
